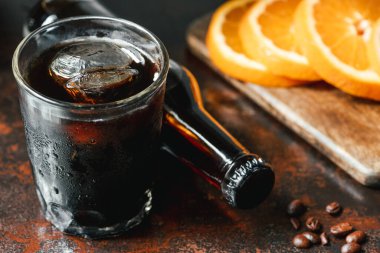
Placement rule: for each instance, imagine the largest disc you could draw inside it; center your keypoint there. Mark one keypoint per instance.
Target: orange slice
(226, 52)
(333, 35)
(267, 34)
(374, 47)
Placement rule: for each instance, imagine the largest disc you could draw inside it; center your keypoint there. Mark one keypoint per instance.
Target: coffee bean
(333, 208)
(295, 223)
(296, 208)
(301, 242)
(341, 229)
(313, 224)
(324, 239)
(357, 236)
(350, 248)
(312, 237)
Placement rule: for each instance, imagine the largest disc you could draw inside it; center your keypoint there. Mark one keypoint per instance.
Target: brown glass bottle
(194, 137)
(190, 133)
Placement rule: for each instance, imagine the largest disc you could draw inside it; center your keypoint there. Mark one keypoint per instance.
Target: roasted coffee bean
(333, 208)
(313, 224)
(295, 223)
(312, 237)
(296, 208)
(350, 248)
(357, 236)
(324, 239)
(341, 229)
(301, 242)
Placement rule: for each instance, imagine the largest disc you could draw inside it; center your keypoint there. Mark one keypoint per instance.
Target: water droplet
(58, 168)
(55, 155)
(40, 171)
(70, 174)
(92, 141)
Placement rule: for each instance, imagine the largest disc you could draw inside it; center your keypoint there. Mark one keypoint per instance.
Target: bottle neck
(194, 137)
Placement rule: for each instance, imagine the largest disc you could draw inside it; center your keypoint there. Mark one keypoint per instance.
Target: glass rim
(71, 105)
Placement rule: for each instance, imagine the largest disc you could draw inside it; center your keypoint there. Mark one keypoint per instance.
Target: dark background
(166, 18)
(188, 215)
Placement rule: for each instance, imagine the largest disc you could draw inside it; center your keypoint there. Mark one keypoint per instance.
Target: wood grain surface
(344, 128)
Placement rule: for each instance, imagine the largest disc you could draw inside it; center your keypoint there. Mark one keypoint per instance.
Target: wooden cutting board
(344, 128)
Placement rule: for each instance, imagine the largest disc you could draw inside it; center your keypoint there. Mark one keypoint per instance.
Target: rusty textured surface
(188, 215)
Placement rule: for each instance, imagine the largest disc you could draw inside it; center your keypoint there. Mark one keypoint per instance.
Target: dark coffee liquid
(42, 81)
(94, 174)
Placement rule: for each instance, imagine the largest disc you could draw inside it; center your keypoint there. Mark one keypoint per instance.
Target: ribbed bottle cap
(248, 181)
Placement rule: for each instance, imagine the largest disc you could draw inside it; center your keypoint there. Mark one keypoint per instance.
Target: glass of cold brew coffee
(91, 96)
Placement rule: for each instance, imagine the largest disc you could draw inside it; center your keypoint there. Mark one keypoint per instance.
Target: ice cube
(91, 85)
(89, 69)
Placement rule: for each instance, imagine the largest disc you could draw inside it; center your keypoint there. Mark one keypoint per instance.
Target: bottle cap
(248, 181)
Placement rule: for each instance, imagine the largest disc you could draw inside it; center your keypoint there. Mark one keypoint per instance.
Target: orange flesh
(345, 27)
(277, 24)
(231, 27)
